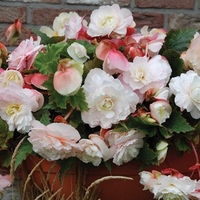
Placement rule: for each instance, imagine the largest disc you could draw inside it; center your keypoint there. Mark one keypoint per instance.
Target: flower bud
(68, 78)
(160, 111)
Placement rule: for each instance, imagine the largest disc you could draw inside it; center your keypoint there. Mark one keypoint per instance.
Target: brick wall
(154, 13)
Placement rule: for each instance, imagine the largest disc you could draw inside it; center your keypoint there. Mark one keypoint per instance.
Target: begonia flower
(16, 107)
(54, 141)
(9, 76)
(191, 57)
(126, 145)
(68, 78)
(186, 89)
(110, 20)
(77, 52)
(90, 152)
(23, 56)
(145, 73)
(106, 106)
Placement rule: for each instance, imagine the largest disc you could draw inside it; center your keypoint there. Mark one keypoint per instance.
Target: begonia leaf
(175, 62)
(5, 134)
(147, 155)
(179, 40)
(78, 100)
(47, 62)
(177, 123)
(24, 150)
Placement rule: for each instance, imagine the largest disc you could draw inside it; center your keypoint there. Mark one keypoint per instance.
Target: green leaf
(175, 62)
(24, 150)
(164, 132)
(141, 125)
(47, 62)
(177, 123)
(147, 155)
(43, 115)
(5, 134)
(179, 40)
(78, 100)
(182, 144)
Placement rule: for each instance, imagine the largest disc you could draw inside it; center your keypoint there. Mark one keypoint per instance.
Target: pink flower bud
(68, 78)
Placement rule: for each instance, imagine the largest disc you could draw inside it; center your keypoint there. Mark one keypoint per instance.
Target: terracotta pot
(110, 189)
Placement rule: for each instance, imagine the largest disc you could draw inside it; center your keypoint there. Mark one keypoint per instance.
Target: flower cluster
(100, 91)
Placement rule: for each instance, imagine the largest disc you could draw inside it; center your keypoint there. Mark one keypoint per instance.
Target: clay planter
(110, 189)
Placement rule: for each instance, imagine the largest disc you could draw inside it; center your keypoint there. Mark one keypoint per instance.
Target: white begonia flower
(146, 73)
(108, 100)
(108, 20)
(9, 76)
(167, 187)
(77, 52)
(54, 141)
(16, 107)
(186, 89)
(58, 25)
(90, 153)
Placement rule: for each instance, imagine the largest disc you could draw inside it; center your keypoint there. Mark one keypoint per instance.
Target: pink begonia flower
(186, 89)
(16, 107)
(160, 111)
(68, 78)
(191, 57)
(23, 56)
(111, 21)
(9, 76)
(106, 106)
(115, 62)
(78, 52)
(5, 181)
(54, 141)
(146, 73)
(36, 79)
(126, 145)
(104, 46)
(90, 152)
(150, 41)
(167, 187)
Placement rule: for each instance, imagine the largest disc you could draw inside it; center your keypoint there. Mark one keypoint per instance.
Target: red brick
(9, 14)
(176, 21)
(153, 20)
(36, 1)
(99, 2)
(182, 4)
(47, 15)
